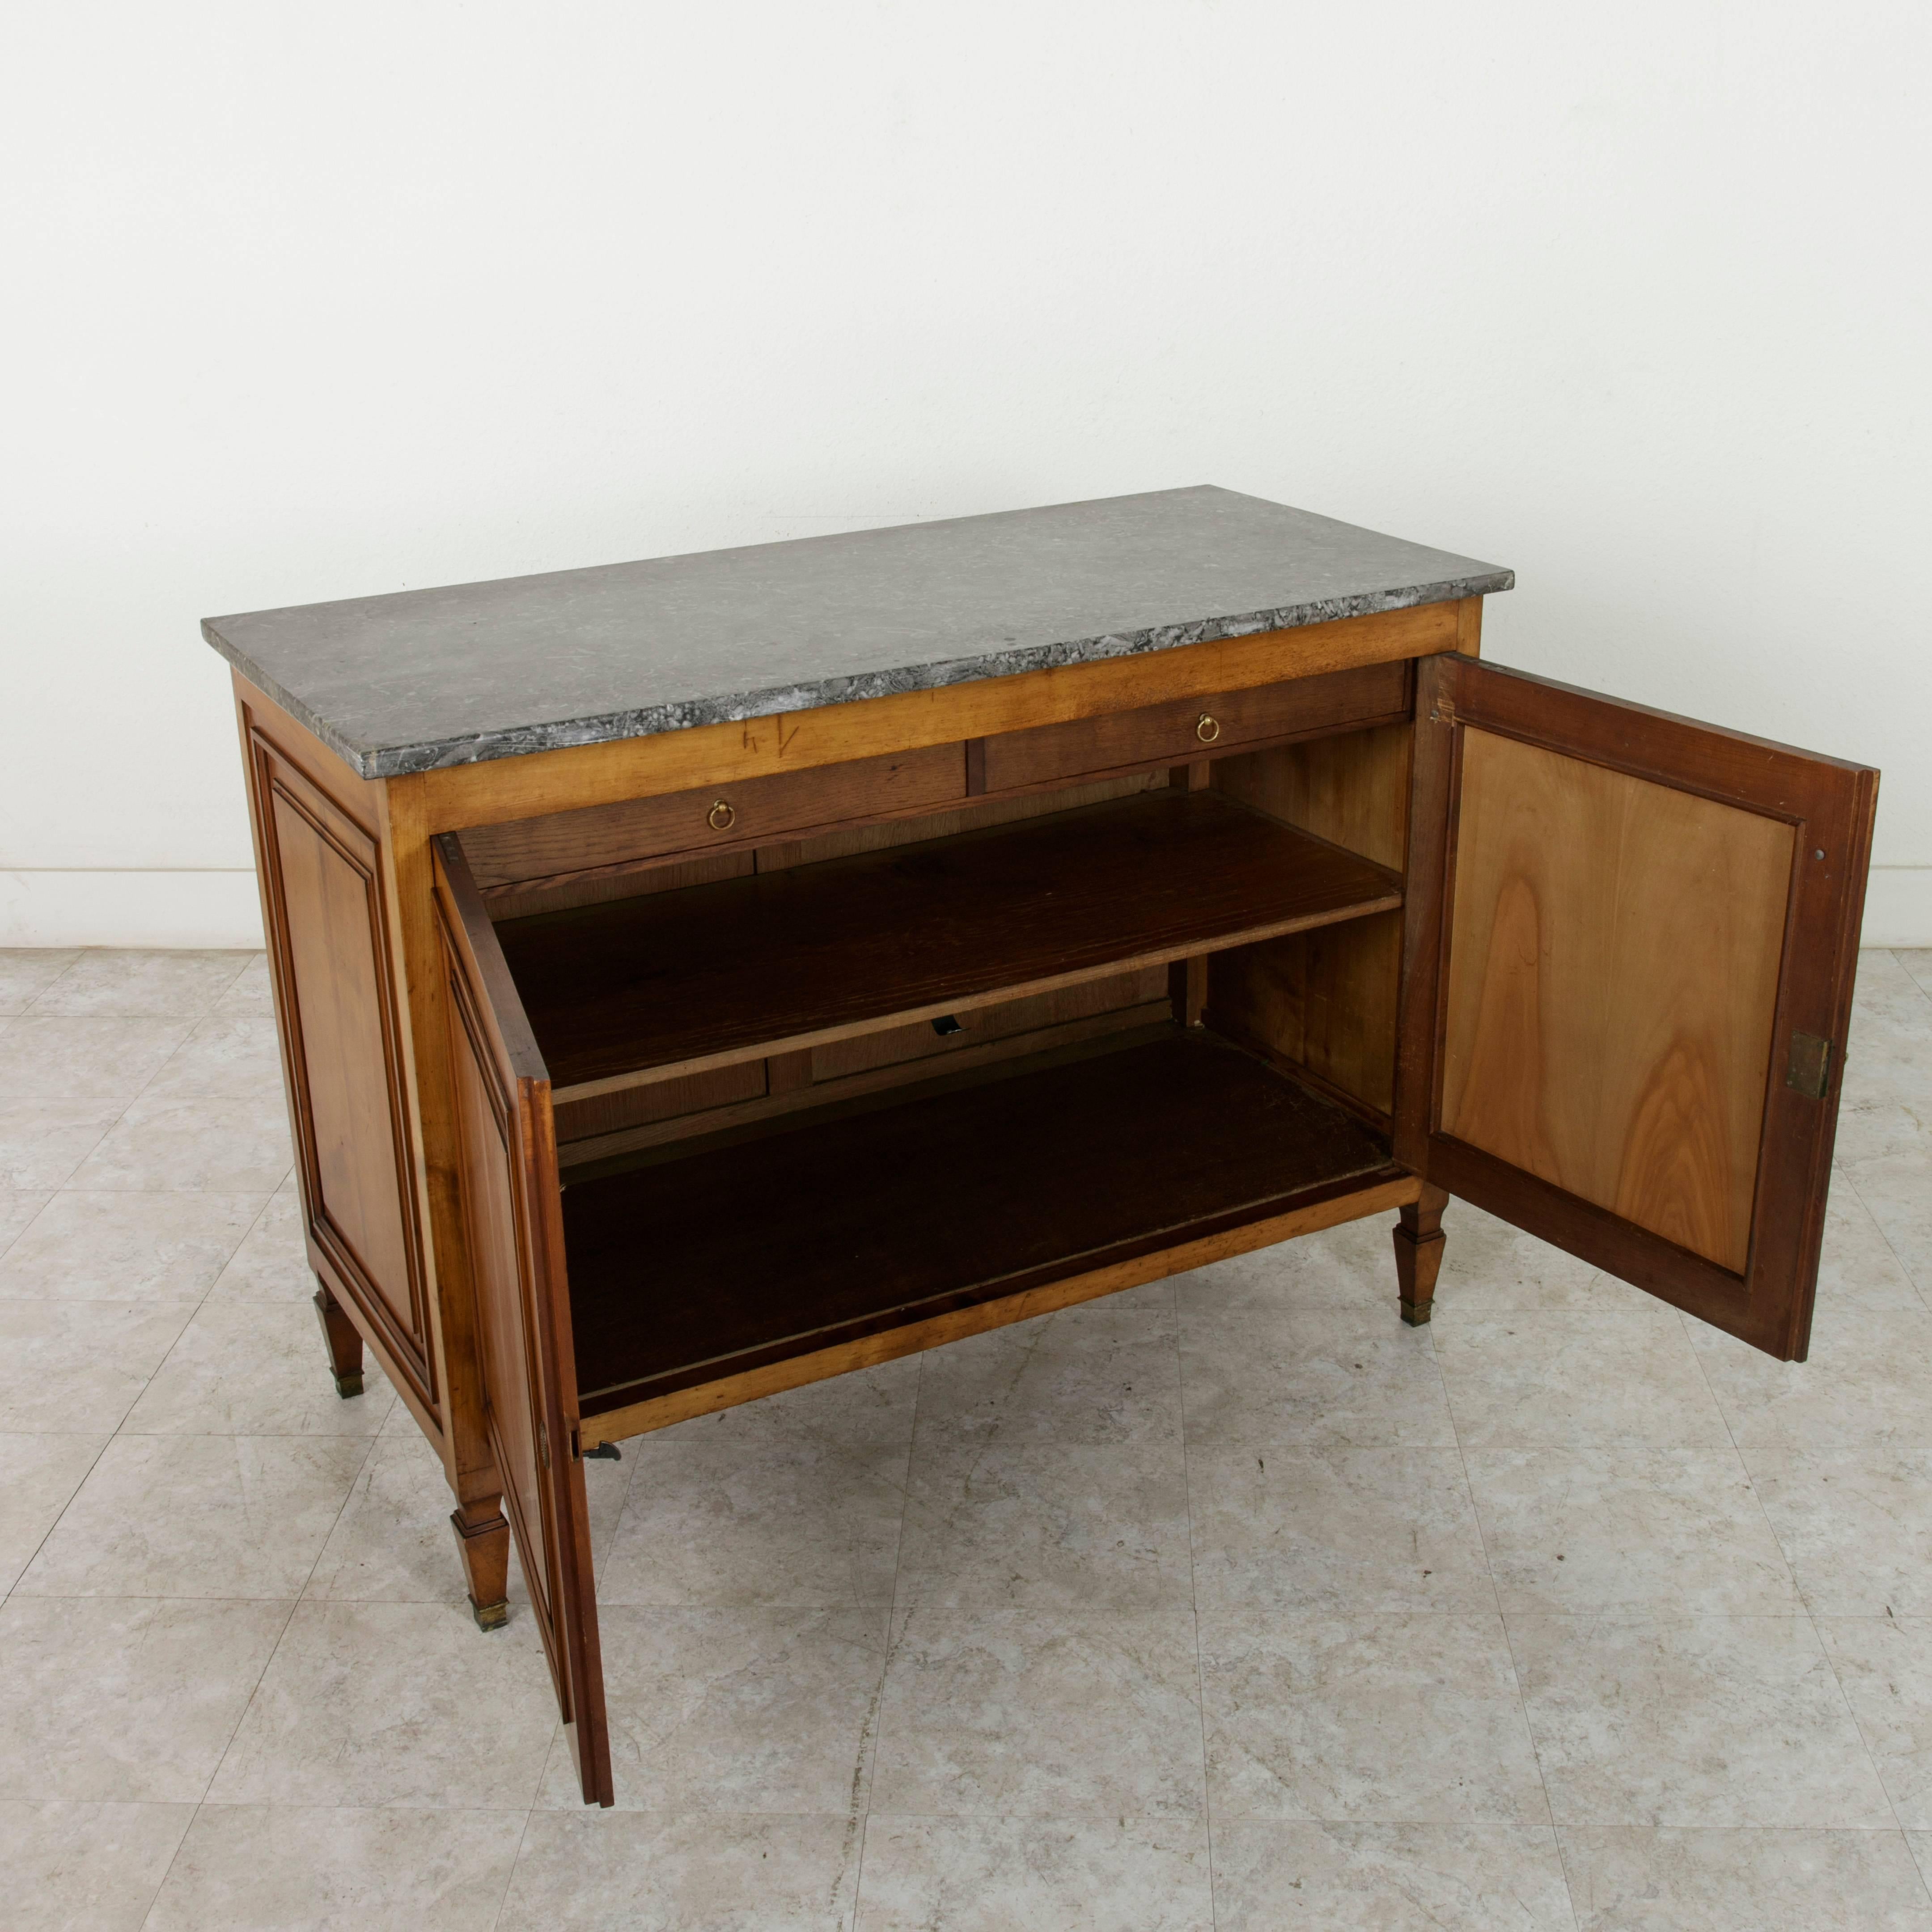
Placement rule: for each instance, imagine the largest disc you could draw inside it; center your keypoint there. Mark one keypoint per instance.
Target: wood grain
(1824, 807)
(593, 775)
(343, 1048)
(1328, 1206)
(574, 845)
(1162, 733)
(1326, 999)
(509, 1196)
(1614, 955)
(683, 981)
(971, 1191)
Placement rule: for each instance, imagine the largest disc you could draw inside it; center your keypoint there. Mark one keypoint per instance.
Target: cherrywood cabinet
(635, 1079)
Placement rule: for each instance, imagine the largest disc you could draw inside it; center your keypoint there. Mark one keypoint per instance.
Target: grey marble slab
(424, 678)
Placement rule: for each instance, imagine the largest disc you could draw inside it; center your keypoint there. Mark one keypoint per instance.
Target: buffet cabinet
(633, 1080)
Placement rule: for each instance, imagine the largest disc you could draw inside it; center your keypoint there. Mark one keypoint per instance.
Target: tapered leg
(1418, 1254)
(345, 1343)
(483, 1541)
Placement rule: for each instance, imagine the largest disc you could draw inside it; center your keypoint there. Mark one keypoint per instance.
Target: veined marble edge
(686, 714)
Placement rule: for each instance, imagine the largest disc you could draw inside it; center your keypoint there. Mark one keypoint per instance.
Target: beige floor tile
(1534, 1380)
(75, 1367)
(1411, 1718)
(27, 972)
(252, 992)
(37, 1475)
(1275, 1875)
(394, 1704)
(1631, 1529)
(1490, 1268)
(254, 1368)
(244, 1868)
(128, 1699)
(44, 1059)
(222, 1058)
(1856, 1529)
(738, 1711)
(198, 1515)
(1337, 1530)
(271, 1263)
(1015, 1874)
(744, 1522)
(869, 1407)
(17, 1210)
(42, 1142)
(1026, 1714)
(226, 1146)
(1897, 1190)
(125, 982)
(1858, 1263)
(1916, 961)
(127, 1247)
(1091, 1374)
(1692, 1721)
(622, 1871)
(1884, 1664)
(1631, 1880)
(1340, 1378)
(392, 1543)
(84, 1867)
(1046, 1527)
(1866, 1389)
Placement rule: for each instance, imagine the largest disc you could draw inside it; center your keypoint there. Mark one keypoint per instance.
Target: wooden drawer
(1176, 732)
(716, 818)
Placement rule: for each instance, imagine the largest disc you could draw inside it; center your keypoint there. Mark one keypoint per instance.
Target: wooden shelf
(755, 1250)
(676, 982)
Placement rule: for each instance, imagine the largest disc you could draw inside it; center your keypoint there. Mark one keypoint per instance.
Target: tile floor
(1227, 1603)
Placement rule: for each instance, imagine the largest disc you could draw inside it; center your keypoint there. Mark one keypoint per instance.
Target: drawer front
(747, 812)
(1198, 728)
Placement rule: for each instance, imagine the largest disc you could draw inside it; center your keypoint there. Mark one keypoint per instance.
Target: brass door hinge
(1810, 1070)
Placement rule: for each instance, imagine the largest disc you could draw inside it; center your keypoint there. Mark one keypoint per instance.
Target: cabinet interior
(1056, 1032)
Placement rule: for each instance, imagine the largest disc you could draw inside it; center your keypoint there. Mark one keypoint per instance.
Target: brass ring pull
(1208, 730)
(721, 818)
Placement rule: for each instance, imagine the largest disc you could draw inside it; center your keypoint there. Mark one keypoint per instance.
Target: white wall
(312, 301)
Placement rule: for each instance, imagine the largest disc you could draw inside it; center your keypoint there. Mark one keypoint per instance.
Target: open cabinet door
(512, 1215)
(1628, 959)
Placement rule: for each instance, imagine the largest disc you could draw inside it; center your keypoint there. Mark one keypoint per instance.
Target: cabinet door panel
(513, 1226)
(1628, 923)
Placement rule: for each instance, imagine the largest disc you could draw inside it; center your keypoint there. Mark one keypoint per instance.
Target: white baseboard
(220, 908)
(132, 908)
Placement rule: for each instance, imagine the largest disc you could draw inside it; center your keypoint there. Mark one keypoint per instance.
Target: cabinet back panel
(1325, 1000)
(1584, 1041)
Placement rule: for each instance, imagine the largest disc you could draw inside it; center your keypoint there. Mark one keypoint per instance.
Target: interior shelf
(672, 982)
(869, 1218)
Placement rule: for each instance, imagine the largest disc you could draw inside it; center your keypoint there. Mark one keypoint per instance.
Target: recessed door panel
(1614, 956)
(1628, 958)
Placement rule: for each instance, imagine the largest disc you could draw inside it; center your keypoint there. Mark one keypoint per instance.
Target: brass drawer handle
(721, 818)
(1208, 729)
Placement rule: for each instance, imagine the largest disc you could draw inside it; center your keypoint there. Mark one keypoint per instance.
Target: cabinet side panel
(1586, 1042)
(331, 960)
(1325, 1000)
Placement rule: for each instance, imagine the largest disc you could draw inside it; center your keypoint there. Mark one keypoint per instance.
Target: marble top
(420, 679)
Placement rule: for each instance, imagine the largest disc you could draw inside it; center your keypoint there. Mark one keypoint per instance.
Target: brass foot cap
(349, 1384)
(1417, 1314)
(489, 1616)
